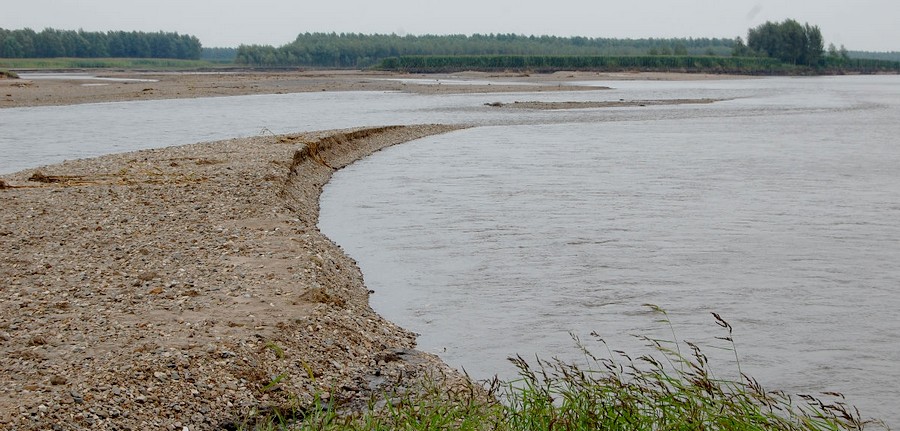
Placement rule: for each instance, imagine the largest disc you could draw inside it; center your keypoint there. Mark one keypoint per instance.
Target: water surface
(777, 210)
(34, 136)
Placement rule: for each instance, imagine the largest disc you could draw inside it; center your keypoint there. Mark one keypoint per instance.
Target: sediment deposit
(184, 287)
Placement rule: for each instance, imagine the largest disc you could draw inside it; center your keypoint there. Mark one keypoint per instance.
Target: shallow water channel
(776, 208)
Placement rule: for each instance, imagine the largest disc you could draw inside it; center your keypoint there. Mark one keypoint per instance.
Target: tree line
(793, 47)
(802, 46)
(788, 41)
(221, 55)
(887, 56)
(52, 43)
(351, 50)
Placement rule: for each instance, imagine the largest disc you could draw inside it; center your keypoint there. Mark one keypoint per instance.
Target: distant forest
(352, 50)
(222, 55)
(868, 55)
(51, 43)
(798, 48)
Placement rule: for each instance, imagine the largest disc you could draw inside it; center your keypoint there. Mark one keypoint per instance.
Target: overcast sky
(859, 24)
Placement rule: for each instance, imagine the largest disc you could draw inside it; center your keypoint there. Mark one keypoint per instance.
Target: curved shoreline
(189, 286)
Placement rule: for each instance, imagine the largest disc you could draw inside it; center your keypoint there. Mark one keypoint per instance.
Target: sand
(169, 288)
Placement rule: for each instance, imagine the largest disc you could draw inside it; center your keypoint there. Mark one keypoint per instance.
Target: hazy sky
(859, 24)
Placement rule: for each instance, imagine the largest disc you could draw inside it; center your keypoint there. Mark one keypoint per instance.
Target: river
(775, 207)
(777, 210)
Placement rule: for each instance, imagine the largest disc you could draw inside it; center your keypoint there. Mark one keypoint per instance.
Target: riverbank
(188, 286)
(116, 86)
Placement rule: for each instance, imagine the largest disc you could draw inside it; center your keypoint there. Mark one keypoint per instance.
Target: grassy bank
(7, 74)
(646, 63)
(674, 389)
(109, 63)
(535, 63)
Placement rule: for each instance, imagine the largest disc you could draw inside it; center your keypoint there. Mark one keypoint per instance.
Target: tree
(11, 49)
(48, 44)
(740, 49)
(815, 45)
(788, 41)
(832, 51)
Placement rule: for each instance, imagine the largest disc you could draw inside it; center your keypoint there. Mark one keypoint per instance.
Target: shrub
(665, 390)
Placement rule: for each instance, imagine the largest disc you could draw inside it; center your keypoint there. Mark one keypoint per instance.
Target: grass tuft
(671, 389)
(275, 348)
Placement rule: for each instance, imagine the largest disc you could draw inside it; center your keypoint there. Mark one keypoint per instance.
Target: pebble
(126, 316)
